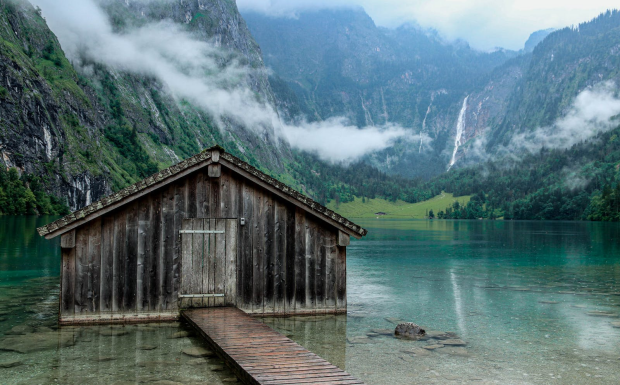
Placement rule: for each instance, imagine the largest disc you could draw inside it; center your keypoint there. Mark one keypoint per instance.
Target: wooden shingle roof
(185, 167)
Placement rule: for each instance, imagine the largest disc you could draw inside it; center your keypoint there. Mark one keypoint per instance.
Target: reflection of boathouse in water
(209, 231)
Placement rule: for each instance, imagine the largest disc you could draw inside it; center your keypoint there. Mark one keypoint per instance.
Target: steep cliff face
(48, 123)
(183, 128)
(338, 63)
(96, 129)
(215, 21)
(564, 64)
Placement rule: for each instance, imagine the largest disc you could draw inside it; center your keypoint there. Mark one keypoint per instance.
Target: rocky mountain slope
(338, 62)
(91, 129)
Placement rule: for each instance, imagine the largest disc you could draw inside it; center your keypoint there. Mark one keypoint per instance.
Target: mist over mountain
(100, 94)
(535, 38)
(452, 96)
(339, 63)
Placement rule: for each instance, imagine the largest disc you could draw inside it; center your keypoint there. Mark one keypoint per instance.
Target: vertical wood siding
(128, 262)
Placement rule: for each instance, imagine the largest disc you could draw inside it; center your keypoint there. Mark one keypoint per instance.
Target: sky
(485, 24)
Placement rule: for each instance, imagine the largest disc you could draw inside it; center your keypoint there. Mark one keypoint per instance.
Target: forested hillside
(581, 182)
(566, 62)
(86, 129)
(337, 62)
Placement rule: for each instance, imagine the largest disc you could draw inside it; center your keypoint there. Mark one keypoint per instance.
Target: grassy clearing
(398, 209)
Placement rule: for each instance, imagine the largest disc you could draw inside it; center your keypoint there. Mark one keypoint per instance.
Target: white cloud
(594, 111)
(338, 141)
(486, 24)
(591, 113)
(190, 69)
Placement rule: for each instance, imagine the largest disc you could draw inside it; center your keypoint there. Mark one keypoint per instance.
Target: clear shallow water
(33, 350)
(523, 296)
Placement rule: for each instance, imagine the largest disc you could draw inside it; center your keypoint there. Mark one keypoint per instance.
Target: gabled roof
(214, 154)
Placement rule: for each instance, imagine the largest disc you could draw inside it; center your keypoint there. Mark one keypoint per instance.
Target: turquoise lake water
(526, 302)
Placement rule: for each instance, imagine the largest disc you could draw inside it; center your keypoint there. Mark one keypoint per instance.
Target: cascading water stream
(428, 110)
(460, 127)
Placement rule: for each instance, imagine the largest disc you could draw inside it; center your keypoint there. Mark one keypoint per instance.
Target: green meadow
(398, 209)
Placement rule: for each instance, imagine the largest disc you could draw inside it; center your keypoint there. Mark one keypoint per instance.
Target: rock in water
(616, 324)
(182, 334)
(113, 332)
(35, 342)
(10, 364)
(197, 352)
(602, 314)
(455, 351)
(409, 330)
(433, 347)
(20, 330)
(146, 347)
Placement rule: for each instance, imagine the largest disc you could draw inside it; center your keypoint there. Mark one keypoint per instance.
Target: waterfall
(460, 126)
(48, 143)
(428, 110)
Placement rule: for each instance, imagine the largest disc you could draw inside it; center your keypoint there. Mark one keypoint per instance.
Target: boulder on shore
(409, 330)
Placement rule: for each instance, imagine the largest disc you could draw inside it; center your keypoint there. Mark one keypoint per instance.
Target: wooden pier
(260, 355)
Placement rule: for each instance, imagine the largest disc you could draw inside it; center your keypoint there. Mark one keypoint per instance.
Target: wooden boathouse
(209, 231)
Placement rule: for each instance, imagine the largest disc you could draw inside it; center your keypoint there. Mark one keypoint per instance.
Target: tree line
(25, 195)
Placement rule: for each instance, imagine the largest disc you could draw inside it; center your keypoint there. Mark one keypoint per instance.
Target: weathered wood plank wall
(127, 264)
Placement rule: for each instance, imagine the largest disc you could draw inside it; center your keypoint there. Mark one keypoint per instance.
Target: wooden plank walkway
(260, 355)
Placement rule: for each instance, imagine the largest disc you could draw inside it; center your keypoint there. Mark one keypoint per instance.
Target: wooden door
(209, 262)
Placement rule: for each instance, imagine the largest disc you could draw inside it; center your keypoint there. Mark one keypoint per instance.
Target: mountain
(338, 63)
(564, 64)
(535, 38)
(77, 126)
(90, 129)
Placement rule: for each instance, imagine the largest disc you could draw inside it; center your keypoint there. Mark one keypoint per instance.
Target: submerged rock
(615, 324)
(10, 364)
(383, 332)
(20, 330)
(454, 351)
(436, 334)
(197, 352)
(146, 347)
(433, 347)
(113, 332)
(549, 302)
(35, 342)
(154, 365)
(360, 340)
(180, 335)
(409, 330)
(454, 342)
(417, 352)
(197, 361)
(602, 314)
